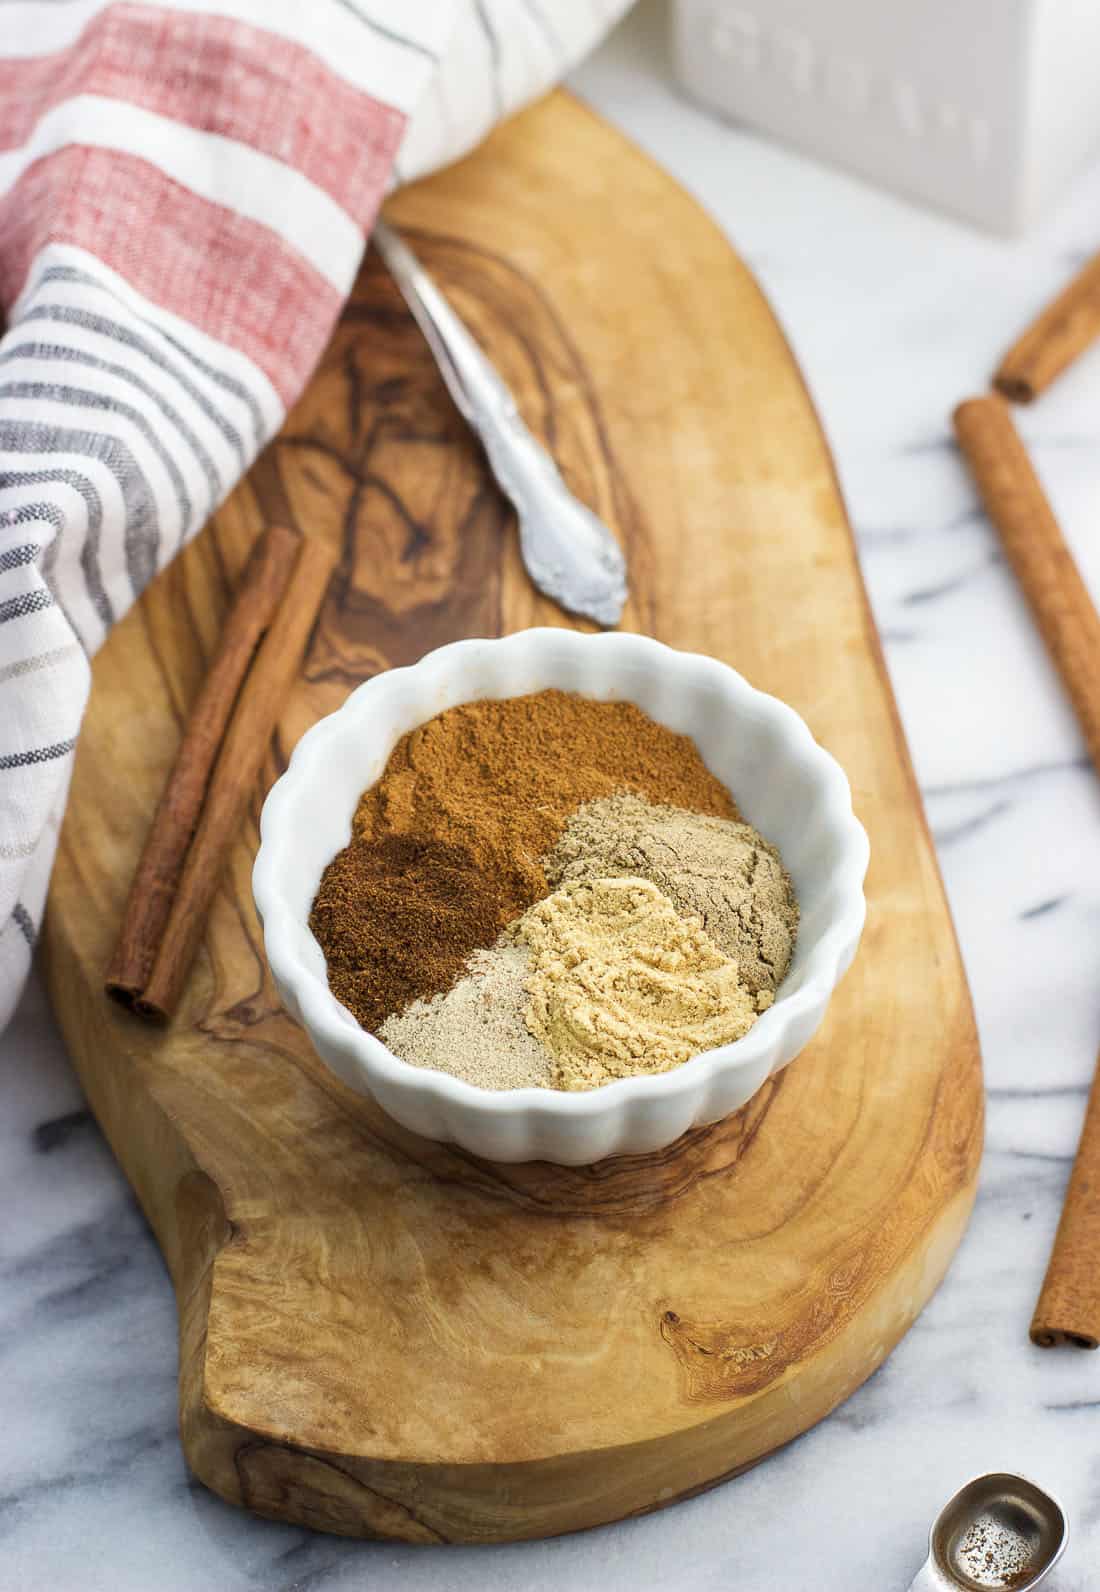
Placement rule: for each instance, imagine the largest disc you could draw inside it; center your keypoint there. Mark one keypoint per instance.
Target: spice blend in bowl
(552, 891)
(786, 785)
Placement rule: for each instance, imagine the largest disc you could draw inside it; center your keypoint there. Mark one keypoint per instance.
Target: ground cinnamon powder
(445, 847)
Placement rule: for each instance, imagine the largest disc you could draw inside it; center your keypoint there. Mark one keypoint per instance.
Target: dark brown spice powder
(446, 846)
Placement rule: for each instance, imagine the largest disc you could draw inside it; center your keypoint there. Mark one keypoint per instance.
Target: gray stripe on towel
(142, 535)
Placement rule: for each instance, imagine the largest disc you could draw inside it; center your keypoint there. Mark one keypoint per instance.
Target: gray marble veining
(895, 314)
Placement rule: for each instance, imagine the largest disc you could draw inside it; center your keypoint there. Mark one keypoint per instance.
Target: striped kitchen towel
(185, 190)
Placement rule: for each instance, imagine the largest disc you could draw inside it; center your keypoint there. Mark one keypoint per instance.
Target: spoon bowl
(999, 1531)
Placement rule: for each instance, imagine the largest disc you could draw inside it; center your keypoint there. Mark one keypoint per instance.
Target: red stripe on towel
(224, 77)
(234, 278)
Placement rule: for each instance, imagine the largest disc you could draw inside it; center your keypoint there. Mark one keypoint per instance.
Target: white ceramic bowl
(781, 779)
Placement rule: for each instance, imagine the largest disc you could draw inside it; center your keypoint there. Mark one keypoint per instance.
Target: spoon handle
(569, 553)
(480, 395)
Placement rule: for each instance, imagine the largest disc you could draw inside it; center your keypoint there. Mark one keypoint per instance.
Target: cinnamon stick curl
(1062, 331)
(1068, 1310)
(1018, 507)
(162, 860)
(231, 787)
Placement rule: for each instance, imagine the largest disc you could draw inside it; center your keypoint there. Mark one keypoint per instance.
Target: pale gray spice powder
(713, 868)
(476, 1029)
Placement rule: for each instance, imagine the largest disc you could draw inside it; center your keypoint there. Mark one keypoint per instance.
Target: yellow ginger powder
(622, 984)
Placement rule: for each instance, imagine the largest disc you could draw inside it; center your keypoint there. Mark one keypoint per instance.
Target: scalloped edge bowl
(782, 780)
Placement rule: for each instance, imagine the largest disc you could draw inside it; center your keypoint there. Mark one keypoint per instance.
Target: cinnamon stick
(1068, 1310)
(1017, 505)
(1064, 329)
(158, 873)
(232, 784)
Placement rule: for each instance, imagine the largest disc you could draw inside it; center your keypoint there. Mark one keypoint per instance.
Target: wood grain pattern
(380, 1335)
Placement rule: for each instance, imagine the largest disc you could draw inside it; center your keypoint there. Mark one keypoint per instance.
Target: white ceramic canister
(984, 108)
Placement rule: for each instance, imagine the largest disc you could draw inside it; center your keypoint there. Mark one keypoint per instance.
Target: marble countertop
(895, 314)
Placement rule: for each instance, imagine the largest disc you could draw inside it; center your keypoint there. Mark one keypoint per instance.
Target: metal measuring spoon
(568, 551)
(998, 1531)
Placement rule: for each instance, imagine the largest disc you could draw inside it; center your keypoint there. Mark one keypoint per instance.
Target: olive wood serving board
(381, 1336)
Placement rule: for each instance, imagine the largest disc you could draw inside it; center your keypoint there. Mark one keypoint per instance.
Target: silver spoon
(569, 553)
(998, 1531)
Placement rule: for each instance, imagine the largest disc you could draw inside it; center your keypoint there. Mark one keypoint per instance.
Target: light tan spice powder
(716, 869)
(622, 984)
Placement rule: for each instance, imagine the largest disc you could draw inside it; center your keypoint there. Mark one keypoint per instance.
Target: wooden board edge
(353, 1496)
(426, 1504)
